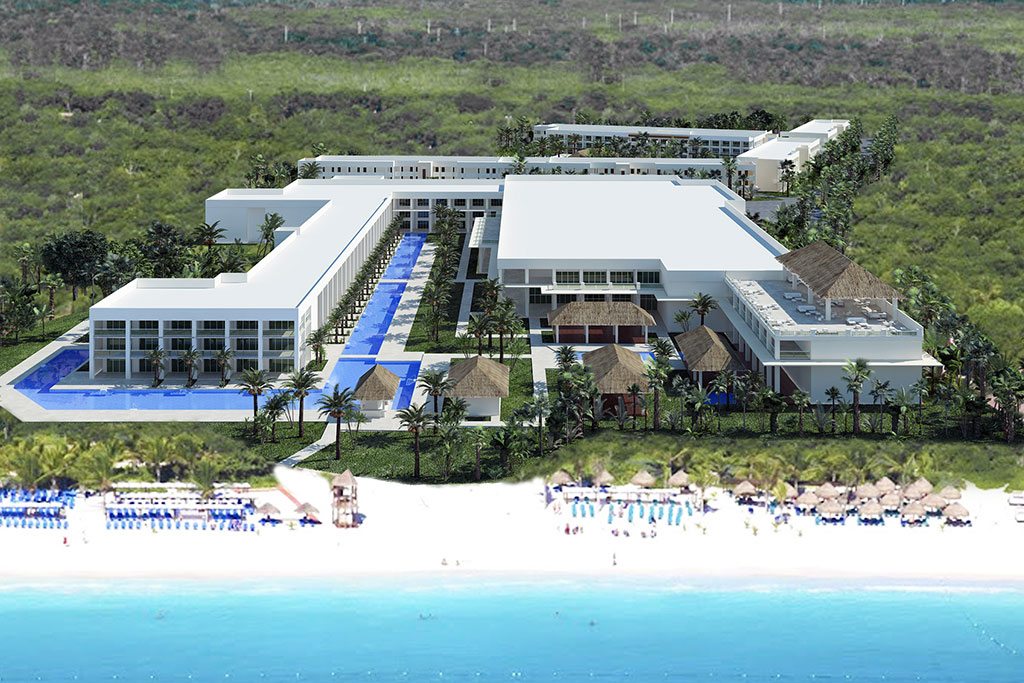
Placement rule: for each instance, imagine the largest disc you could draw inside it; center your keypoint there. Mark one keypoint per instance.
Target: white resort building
(718, 142)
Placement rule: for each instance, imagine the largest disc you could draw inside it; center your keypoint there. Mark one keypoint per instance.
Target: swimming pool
(368, 334)
(474, 631)
(38, 386)
(401, 264)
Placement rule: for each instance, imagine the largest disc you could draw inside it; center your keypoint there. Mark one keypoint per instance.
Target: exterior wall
(483, 407)
(817, 379)
(241, 216)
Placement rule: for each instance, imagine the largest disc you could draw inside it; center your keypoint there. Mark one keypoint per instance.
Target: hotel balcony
(590, 288)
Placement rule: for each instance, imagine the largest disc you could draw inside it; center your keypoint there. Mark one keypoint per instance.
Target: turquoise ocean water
(629, 631)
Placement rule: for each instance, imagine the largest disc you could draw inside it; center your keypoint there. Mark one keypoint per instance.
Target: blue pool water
(38, 384)
(634, 632)
(400, 266)
(368, 334)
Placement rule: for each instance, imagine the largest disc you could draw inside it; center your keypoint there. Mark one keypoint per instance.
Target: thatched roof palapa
(885, 485)
(791, 491)
(478, 377)
(831, 275)
(603, 478)
(615, 369)
(807, 499)
(561, 478)
(679, 478)
(705, 350)
(598, 313)
(744, 488)
(307, 509)
(643, 478)
(891, 501)
(924, 485)
(955, 511)
(950, 493)
(345, 480)
(912, 492)
(831, 507)
(377, 384)
(870, 509)
(933, 501)
(267, 509)
(867, 491)
(914, 510)
(827, 491)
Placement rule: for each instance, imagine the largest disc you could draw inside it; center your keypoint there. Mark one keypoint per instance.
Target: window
(243, 364)
(149, 344)
(621, 277)
(177, 365)
(441, 202)
(282, 344)
(478, 202)
(567, 277)
(281, 325)
(245, 325)
(115, 325)
(149, 325)
(145, 365)
(594, 277)
(282, 365)
(405, 202)
(213, 325)
(181, 344)
(181, 324)
(115, 365)
(460, 202)
(537, 298)
(423, 225)
(562, 299)
(210, 365)
(245, 344)
(648, 277)
(422, 202)
(496, 202)
(648, 302)
(593, 297)
(622, 297)
(115, 344)
(213, 344)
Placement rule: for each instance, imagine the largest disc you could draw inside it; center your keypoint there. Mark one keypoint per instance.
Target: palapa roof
(933, 500)
(831, 507)
(827, 491)
(914, 510)
(912, 492)
(891, 500)
(955, 511)
(885, 485)
(867, 491)
(615, 369)
(478, 377)
(679, 478)
(643, 478)
(744, 488)
(870, 509)
(603, 478)
(601, 313)
(923, 484)
(705, 350)
(344, 480)
(832, 275)
(791, 491)
(307, 509)
(561, 478)
(377, 384)
(808, 499)
(950, 493)
(267, 509)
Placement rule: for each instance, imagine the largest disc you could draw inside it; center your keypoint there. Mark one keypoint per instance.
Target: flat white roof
(283, 278)
(778, 149)
(654, 131)
(687, 225)
(560, 159)
(820, 126)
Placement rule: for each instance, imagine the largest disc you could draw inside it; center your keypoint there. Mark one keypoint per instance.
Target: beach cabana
(807, 501)
(744, 490)
(891, 501)
(950, 493)
(827, 491)
(267, 510)
(679, 479)
(912, 492)
(923, 485)
(914, 511)
(885, 485)
(603, 478)
(482, 382)
(867, 492)
(616, 369)
(933, 502)
(831, 509)
(830, 275)
(870, 510)
(376, 389)
(708, 352)
(307, 511)
(955, 513)
(643, 479)
(345, 504)
(600, 322)
(561, 478)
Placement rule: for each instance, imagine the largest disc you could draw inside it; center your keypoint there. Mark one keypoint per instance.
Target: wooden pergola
(601, 322)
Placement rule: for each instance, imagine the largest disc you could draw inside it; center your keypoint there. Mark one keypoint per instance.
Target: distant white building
(718, 142)
(797, 147)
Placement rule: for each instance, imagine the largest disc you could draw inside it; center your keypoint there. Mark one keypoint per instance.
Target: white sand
(506, 529)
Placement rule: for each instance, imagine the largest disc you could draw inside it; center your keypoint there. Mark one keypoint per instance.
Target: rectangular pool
(401, 264)
(368, 334)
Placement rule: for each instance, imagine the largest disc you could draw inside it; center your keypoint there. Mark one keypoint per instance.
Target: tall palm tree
(801, 400)
(316, 341)
(833, 394)
(719, 385)
(207, 234)
(51, 282)
(478, 327)
(634, 393)
(204, 476)
(682, 318)
(540, 408)
(436, 384)
(274, 407)
(703, 304)
(300, 383)
(223, 358)
(565, 358)
(729, 168)
(656, 376)
(337, 405)
(663, 351)
(271, 222)
(255, 383)
(506, 322)
(479, 438)
(156, 358)
(189, 358)
(855, 374)
(414, 420)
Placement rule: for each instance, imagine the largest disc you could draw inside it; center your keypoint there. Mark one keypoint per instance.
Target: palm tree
(156, 358)
(189, 358)
(634, 393)
(414, 420)
(920, 389)
(729, 168)
(506, 322)
(99, 465)
(855, 374)
(787, 172)
(316, 341)
(271, 222)
(703, 304)
(682, 318)
(479, 439)
(719, 385)
(565, 358)
(223, 358)
(801, 400)
(478, 327)
(656, 376)
(274, 407)
(299, 384)
(51, 282)
(255, 383)
(436, 384)
(204, 475)
(663, 351)
(773, 403)
(833, 394)
(540, 408)
(336, 406)
(207, 234)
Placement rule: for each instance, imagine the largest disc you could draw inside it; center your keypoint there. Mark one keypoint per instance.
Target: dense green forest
(119, 114)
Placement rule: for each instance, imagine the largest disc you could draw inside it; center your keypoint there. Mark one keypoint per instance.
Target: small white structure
(482, 383)
(790, 151)
(376, 389)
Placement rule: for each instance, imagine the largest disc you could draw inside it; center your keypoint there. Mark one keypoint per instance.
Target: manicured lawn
(389, 455)
(419, 336)
(520, 384)
(12, 353)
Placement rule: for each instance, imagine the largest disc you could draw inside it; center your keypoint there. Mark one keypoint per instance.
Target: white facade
(797, 146)
(718, 142)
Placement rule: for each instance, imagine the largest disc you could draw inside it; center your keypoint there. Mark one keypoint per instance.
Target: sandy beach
(493, 529)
